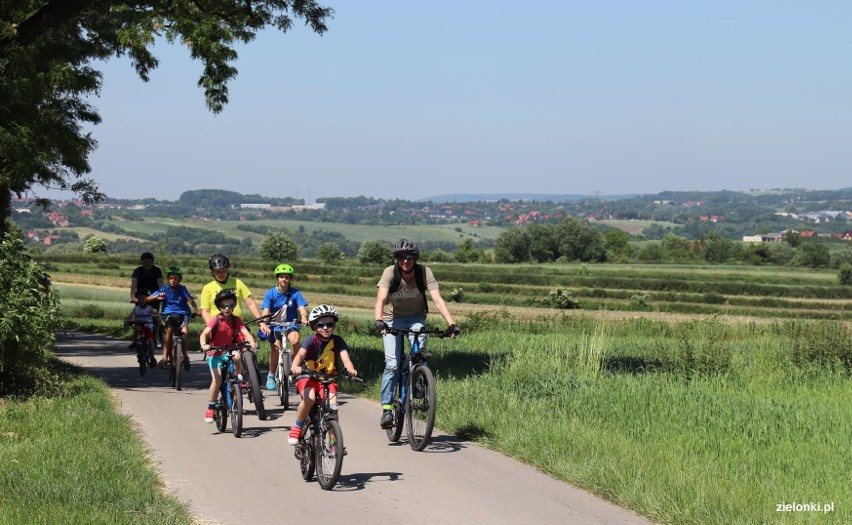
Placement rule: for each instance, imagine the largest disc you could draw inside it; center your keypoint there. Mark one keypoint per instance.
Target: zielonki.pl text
(825, 508)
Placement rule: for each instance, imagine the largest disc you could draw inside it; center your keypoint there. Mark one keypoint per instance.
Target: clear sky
(416, 99)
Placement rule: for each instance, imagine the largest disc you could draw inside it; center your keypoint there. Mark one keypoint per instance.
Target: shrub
(845, 274)
(374, 252)
(457, 295)
(558, 298)
(29, 318)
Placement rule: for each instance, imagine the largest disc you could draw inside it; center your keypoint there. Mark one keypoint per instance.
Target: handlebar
(242, 346)
(425, 330)
(322, 376)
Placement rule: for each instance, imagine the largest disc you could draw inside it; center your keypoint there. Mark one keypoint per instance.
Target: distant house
(50, 239)
(847, 235)
(807, 233)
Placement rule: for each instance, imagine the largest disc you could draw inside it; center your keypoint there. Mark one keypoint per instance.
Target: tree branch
(52, 14)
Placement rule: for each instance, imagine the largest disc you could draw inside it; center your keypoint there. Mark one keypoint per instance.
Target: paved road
(452, 481)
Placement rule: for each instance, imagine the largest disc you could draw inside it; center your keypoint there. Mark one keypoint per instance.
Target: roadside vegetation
(714, 419)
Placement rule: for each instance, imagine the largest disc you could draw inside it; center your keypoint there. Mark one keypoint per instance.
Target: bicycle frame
(228, 403)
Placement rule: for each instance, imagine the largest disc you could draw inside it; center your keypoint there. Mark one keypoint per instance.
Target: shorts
(307, 382)
(185, 319)
(218, 361)
(147, 330)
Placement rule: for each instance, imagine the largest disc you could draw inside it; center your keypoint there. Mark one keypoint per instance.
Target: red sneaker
(208, 416)
(295, 435)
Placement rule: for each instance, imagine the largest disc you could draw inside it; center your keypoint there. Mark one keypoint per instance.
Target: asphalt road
(256, 479)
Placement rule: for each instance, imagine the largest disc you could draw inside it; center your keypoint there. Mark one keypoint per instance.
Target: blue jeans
(394, 346)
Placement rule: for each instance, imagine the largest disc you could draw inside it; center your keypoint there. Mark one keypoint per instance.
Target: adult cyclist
(147, 279)
(222, 280)
(401, 304)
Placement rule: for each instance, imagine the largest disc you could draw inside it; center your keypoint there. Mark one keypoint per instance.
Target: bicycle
(140, 344)
(285, 359)
(230, 399)
(320, 446)
(414, 399)
(175, 367)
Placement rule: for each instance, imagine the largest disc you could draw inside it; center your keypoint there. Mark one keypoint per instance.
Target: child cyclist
(175, 299)
(287, 303)
(142, 318)
(319, 352)
(224, 329)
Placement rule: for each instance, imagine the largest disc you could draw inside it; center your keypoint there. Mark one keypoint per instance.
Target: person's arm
(295, 368)
(347, 363)
(247, 335)
(134, 283)
(442, 306)
(303, 315)
(205, 306)
(191, 300)
(202, 339)
(252, 306)
(381, 297)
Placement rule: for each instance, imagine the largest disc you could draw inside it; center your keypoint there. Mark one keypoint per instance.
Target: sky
(415, 99)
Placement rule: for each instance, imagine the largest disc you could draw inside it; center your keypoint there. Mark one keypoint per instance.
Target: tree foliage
(94, 245)
(48, 53)
(278, 246)
(375, 252)
(29, 318)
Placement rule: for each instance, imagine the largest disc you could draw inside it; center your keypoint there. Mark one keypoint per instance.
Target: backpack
(215, 329)
(419, 279)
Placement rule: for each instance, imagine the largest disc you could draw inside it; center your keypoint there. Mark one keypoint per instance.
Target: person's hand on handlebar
(453, 330)
(205, 347)
(381, 326)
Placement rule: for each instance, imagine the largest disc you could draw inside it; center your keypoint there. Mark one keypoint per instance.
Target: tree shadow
(630, 365)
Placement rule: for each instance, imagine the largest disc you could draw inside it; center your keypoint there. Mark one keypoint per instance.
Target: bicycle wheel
(283, 377)
(306, 460)
(142, 355)
(329, 454)
(177, 361)
(172, 374)
(236, 410)
(255, 395)
(420, 412)
(395, 432)
(220, 416)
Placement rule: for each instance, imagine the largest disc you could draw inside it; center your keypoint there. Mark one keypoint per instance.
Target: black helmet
(218, 261)
(225, 294)
(146, 255)
(406, 247)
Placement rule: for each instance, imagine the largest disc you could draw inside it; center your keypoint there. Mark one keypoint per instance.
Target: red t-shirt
(228, 331)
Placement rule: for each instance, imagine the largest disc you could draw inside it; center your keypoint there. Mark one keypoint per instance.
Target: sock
(240, 377)
(299, 424)
(211, 405)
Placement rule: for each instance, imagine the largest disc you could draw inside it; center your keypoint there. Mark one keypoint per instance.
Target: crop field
(689, 394)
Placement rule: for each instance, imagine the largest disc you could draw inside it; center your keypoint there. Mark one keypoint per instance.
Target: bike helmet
(323, 310)
(405, 247)
(174, 269)
(218, 261)
(225, 294)
(147, 255)
(284, 268)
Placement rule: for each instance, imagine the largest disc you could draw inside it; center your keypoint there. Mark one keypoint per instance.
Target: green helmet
(284, 268)
(174, 270)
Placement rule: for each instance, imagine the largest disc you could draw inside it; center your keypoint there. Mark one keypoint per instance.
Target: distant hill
(540, 197)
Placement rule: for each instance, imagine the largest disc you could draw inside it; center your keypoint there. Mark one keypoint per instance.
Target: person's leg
(167, 347)
(213, 393)
(271, 382)
(308, 397)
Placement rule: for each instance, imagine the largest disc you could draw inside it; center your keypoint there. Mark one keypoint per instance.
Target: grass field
(684, 416)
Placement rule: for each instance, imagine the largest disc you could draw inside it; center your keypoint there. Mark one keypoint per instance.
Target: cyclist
(222, 280)
(319, 351)
(224, 329)
(143, 321)
(147, 278)
(401, 303)
(287, 303)
(176, 300)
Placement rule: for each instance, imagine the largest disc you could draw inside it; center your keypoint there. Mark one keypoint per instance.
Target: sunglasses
(324, 325)
(406, 258)
(227, 307)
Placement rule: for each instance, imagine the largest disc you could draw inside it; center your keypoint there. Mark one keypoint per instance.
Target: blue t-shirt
(176, 301)
(275, 300)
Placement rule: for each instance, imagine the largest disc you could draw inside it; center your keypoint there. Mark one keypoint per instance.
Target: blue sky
(415, 99)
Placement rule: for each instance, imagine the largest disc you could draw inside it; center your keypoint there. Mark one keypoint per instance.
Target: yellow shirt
(208, 294)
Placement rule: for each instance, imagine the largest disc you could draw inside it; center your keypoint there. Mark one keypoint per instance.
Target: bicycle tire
(177, 361)
(142, 355)
(220, 416)
(236, 410)
(255, 394)
(283, 373)
(307, 461)
(172, 378)
(395, 432)
(420, 409)
(329, 454)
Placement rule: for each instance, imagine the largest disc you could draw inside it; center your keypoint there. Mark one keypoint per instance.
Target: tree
(374, 252)
(278, 246)
(513, 246)
(94, 245)
(579, 241)
(329, 252)
(48, 52)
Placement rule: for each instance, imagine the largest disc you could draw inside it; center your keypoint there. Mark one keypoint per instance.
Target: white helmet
(323, 310)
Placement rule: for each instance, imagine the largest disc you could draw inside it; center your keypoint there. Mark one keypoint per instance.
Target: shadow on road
(353, 482)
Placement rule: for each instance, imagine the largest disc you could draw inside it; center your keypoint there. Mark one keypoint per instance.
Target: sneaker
(186, 363)
(152, 363)
(387, 419)
(163, 364)
(208, 416)
(270, 382)
(295, 434)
